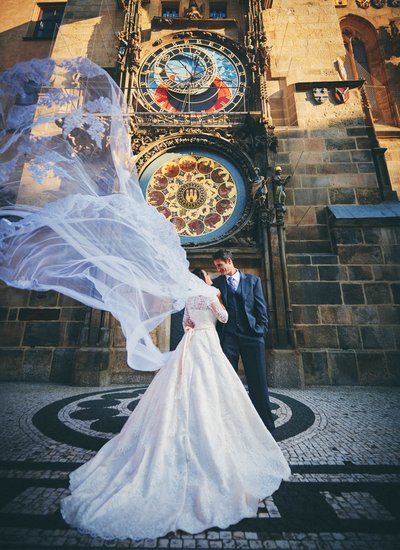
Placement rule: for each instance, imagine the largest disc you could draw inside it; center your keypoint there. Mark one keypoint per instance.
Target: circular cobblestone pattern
(89, 420)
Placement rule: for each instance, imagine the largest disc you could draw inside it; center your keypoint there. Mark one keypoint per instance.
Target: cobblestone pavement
(342, 445)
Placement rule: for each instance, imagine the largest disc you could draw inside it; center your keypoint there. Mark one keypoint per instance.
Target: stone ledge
(387, 213)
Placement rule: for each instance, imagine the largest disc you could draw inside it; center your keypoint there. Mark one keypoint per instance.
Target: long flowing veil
(73, 216)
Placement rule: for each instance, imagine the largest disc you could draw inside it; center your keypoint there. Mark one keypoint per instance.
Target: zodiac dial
(201, 193)
(192, 75)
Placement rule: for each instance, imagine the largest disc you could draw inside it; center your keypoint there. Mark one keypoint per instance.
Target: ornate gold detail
(364, 4)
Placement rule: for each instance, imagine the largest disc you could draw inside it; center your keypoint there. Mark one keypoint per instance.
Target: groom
(244, 332)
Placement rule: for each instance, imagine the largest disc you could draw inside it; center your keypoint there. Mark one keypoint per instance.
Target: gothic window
(169, 9)
(218, 10)
(364, 61)
(357, 66)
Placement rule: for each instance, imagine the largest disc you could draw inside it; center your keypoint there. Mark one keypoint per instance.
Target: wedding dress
(194, 454)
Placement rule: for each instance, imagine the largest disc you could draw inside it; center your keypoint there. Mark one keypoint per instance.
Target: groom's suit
(243, 335)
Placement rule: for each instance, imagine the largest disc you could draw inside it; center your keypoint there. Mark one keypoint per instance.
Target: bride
(194, 453)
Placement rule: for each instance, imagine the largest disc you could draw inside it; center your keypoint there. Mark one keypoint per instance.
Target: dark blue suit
(243, 335)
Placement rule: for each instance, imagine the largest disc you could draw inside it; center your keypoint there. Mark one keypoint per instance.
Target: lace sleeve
(219, 311)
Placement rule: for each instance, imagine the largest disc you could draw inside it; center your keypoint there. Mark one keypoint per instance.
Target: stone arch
(361, 39)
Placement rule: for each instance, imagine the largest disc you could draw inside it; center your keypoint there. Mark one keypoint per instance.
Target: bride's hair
(199, 273)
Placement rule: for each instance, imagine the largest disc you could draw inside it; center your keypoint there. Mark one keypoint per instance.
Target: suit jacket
(253, 300)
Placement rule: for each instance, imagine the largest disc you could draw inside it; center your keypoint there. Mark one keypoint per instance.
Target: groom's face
(225, 267)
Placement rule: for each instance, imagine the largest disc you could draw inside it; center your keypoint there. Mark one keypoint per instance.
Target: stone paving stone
(357, 505)
(36, 501)
(353, 429)
(268, 509)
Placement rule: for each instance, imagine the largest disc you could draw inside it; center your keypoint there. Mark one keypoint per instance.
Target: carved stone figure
(363, 3)
(259, 188)
(395, 38)
(378, 3)
(320, 95)
(279, 182)
(264, 52)
(135, 49)
(341, 69)
(193, 11)
(250, 49)
(122, 48)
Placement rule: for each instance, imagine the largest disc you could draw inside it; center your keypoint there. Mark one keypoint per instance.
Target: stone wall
(346, 305)
(343, 281)
(15, 21)
(89, 29)
(48, 337)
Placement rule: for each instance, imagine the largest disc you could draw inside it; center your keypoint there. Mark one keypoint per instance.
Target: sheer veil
(73, 216)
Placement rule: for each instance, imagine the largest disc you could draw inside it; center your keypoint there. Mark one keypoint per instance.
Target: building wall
(89, 29)
(343, 280)
(343, 283)
(15, 22)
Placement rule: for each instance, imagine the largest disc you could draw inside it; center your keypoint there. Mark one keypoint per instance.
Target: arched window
(364, 61)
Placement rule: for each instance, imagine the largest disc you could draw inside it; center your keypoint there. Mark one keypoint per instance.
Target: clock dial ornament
(201, 193)
(193, 75)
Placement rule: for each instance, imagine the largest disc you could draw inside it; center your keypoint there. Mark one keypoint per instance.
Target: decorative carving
(267, 216)
(394, 38)
(378, 3)
(135, 49)
(340, 3)
(122, 49)
(128, 50)
(320, 95)
(279, 183)
(364, 4)
(194, 11)
(280, 214)
(185, 34)
(238, 240)
(264, 52)
(342, 94)
(259, 188)
(250, 50)
(341, 69)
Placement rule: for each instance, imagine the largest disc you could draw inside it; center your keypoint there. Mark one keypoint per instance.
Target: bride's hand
(207, 278)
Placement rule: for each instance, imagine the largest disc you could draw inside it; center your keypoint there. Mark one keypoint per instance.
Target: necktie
(231, 283)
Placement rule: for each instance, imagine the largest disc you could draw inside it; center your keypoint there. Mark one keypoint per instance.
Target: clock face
(192, 75)
(201, 193)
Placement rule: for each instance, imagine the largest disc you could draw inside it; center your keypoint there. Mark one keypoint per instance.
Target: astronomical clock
(200, 190)
(192, 75)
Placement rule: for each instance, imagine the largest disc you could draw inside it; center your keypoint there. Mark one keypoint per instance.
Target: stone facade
(331, 276)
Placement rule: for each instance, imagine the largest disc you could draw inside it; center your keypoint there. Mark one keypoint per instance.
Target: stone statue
(193, 11)
(279, 182)
(264, 52)
(135, 49)
(122, 48)
(259, 188)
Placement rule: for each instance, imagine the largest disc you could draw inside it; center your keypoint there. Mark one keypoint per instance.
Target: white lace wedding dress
(194, 454)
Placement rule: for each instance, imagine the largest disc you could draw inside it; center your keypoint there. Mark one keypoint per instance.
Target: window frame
(214, 5)
(37, 18)
(173, 5)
